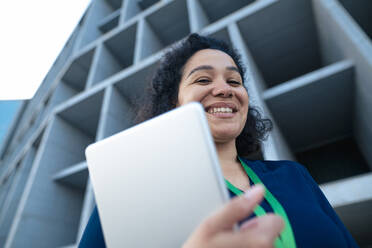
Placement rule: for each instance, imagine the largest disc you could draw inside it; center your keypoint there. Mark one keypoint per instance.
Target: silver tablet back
(155, 182)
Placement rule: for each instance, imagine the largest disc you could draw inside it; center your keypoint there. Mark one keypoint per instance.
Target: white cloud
(32, 35)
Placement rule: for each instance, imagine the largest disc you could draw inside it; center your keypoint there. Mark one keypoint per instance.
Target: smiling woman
(212, 78)
(196, 64)
(210, 72)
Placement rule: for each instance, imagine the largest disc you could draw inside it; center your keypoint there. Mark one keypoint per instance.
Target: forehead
(212, 57)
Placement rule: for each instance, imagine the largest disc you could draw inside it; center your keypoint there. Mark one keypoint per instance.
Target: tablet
(155, 182)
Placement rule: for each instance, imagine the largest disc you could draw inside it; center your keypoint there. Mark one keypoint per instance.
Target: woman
(294, 212)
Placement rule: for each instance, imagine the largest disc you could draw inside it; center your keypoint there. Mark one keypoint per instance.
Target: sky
(33, 33)
(8, 110)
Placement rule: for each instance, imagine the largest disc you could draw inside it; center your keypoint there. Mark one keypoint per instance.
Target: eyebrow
(233, 68)
(200, 68)
(208, 67)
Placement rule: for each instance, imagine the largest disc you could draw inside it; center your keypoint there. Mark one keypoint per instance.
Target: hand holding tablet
(217, 230)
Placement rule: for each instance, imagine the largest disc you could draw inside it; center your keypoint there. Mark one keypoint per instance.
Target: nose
(222, 89)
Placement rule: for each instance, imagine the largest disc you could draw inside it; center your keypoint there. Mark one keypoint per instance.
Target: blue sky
(8, 110)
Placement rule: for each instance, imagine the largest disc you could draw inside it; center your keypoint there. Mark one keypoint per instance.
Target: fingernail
(253, 191)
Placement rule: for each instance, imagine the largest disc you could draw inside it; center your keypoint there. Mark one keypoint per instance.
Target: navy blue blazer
(313, 220)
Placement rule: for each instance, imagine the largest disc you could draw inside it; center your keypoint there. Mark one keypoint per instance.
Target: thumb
(234, 211)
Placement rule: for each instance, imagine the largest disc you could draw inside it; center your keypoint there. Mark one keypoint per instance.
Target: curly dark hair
(162, 92)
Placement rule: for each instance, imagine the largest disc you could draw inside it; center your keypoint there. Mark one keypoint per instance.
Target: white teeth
(220, 110)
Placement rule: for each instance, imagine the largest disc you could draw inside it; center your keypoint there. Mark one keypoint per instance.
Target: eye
(234, 82)
(203, 80)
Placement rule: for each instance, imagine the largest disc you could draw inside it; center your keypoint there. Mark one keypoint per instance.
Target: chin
(224, 135)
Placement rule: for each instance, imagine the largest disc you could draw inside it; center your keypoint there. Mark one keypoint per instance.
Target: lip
(222, 105)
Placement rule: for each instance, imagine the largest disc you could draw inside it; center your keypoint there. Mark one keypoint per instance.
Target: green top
(286, 238)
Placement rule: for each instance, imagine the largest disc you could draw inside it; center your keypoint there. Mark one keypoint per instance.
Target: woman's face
(211, 77)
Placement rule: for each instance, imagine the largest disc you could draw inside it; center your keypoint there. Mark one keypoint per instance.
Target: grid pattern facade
(309, 69)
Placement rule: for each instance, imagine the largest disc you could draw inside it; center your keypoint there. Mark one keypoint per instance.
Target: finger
(234, 211)
(264, 230)
(270, 220)
(249, 224)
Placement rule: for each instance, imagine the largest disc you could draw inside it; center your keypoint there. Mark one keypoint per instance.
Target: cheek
(188, 96)
(183, 99)
(243, 98)
(181, 96)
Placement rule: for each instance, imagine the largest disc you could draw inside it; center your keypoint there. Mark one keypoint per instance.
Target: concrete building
(310, 69)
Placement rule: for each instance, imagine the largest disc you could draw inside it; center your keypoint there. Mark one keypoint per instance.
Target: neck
(227, 155)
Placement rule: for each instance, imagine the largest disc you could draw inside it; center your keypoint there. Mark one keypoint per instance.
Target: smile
(220, 110)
